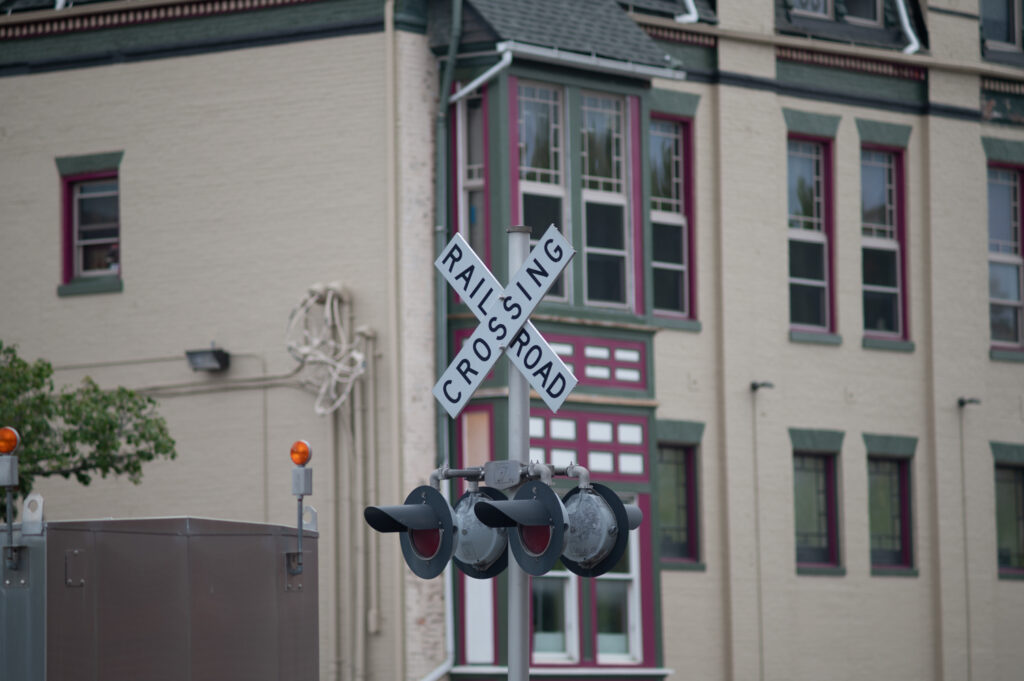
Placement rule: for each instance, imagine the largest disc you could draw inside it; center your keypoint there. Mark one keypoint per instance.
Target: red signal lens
(9, 440)
(536, 538)
(426, 543)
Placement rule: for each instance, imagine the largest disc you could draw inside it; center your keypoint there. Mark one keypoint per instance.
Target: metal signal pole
(518, 450)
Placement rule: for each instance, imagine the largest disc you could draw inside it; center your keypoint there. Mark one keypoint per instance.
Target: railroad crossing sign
(504, 324)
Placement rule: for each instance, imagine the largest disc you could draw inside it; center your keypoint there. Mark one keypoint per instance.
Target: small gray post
(518, 450)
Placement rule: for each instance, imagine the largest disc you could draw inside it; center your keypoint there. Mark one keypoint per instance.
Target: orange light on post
(9, 440)
(301, 453)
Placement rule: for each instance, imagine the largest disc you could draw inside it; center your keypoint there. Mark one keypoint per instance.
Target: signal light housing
(482, 551)
(540, 521)
(301, 453)
(427, 526)
(9, 440)
(599, 525)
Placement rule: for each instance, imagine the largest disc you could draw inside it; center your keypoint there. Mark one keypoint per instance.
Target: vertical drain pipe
(372, 585)
(441, 298)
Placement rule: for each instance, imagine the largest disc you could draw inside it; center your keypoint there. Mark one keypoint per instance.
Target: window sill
(819, 337)
(1001, 355)
(1009, 56)
(90, 285)
(678, 323)
(888, 344)
(1011, 574)
(893, 571)
(821, 570)
(683, 565)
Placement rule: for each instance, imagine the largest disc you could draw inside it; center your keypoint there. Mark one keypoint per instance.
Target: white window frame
(817, 234)
(861, 21)
(590, 195)
(634, 634)
(570, 625)
(1009, 253)
(829, 12)
(552, 189)
(672, 212)
(468, 178)
(819, 238)
(885, 237)
(1018, 27)
(79, 243)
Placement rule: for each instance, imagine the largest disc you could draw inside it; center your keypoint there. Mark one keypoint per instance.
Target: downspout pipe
(691, 16)
(908, 30)
(441, 303)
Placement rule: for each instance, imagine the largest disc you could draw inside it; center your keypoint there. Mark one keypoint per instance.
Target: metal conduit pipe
(576, 471)
(373, 560)
(358, 531)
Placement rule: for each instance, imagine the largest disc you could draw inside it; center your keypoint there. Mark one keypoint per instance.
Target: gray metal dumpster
(187, 599)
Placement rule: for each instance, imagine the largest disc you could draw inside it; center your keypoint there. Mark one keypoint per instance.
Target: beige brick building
(794, 311)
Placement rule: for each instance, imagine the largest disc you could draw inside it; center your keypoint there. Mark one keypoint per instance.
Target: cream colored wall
(858, 625)
(247, 176)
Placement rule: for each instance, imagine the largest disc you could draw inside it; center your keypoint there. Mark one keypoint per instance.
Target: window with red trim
(883, 243)
(815, 509)
(811, 286)
(92, 226)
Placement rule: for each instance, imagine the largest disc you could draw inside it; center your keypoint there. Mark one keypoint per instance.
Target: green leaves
(83, 431)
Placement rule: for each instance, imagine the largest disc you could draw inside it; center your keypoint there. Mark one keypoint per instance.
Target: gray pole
(518, 450)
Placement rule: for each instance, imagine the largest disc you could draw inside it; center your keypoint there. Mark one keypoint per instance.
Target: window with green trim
(889, 510)
(671, 241)
(882, 243)
(677, 503)
(815, 510)
(1010, 518)
(810, 235)
(92, 225)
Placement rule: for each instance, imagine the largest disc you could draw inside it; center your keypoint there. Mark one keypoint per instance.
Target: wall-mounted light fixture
(212, 359)
(964, 401)
(757, 385)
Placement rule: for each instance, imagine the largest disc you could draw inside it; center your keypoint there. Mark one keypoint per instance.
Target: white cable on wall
(317, 338)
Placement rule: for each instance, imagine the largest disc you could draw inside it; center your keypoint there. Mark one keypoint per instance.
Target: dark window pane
(475, 132)
(1010, 517)
(814, 6)
(97, 210)
(807, 305)
(669, 290)
(548, 615)
(1002, 206)
(667, 243)
(672, 502)
(886, 511)
(664, 151)
(881, 311)
(99, 257)
(879, 267)
(1005, 322)
(811, 515)
(605, 226)
(539, 212)
(606, 278)
(874, 193)
(1004, 281)
(997, 20)
(477, 235)
(98, 187)
(612, 617)
(862, 9)
(806, 260)
(804, 190)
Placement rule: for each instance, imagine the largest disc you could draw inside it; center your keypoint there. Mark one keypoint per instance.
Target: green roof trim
(898, 446)
(1004, 151)
(89, 163)
(807, 123)
(675, 103)
(815, 440)
(681, 432)
(1005, 452)
(886, 134)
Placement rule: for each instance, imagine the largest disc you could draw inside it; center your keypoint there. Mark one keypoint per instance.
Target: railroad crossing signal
(504, 326)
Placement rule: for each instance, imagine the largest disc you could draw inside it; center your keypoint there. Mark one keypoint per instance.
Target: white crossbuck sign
(503, 319)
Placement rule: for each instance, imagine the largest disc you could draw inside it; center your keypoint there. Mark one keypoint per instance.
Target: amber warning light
(9, 440)
(301, 453)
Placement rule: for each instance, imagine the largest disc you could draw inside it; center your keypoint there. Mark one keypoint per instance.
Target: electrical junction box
(160, 598)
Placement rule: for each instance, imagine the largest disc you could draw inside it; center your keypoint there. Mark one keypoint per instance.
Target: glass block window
(603, 362)
(1010, 518)
(815, 509)
(889, 512)
(611, 446)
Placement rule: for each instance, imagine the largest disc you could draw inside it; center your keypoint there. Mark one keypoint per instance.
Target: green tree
(79, 431)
